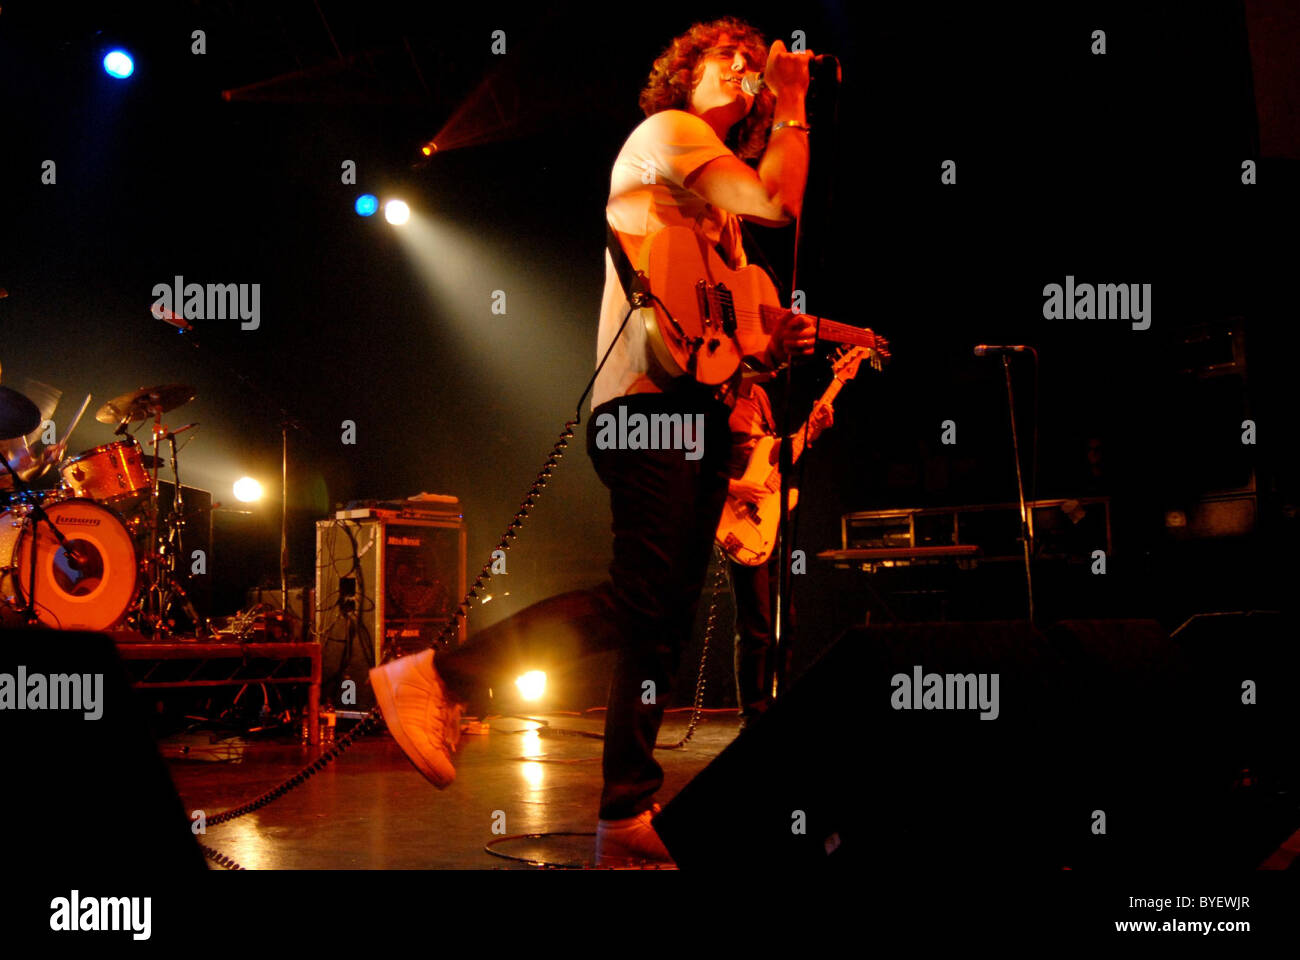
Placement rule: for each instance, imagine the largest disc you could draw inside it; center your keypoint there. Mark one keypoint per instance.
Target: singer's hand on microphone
(786, 74)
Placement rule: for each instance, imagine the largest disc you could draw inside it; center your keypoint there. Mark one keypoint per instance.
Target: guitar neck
(827, 398)
(836, 332)
(831, 331)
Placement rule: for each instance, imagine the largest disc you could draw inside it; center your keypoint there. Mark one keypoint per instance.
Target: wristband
(793, 124)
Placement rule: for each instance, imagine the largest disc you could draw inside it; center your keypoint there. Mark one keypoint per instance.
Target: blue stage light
(367, 204)
(118, 63)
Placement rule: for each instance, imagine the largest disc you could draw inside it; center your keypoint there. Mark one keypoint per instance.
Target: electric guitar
(704, 317)
(748, 529)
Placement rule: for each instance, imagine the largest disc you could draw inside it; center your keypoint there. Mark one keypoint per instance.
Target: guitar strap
(634, 285)
(631, 280)
(765, 411)
(635, 288)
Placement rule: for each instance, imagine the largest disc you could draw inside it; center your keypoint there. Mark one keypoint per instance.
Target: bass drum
(93, 592)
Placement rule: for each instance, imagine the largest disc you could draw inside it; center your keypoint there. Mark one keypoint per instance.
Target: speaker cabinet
(85, 788)
(384, 589)
(1107, 747)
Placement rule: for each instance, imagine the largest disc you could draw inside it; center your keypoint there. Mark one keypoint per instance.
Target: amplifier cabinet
(388, 587)
(1062, 529)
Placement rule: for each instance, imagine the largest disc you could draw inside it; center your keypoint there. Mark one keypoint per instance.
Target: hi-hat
(18, 415)
(144, 403)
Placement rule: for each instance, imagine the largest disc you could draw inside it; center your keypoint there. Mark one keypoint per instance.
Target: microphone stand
(783, 635)
(37, 513)
(783, 624)
(286, 422)
(1026, 515)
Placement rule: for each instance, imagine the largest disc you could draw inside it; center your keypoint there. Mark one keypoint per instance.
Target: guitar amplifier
(385, 588)
(1063, 529)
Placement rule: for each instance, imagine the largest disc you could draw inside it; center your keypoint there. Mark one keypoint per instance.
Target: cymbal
(18, 415)
(144, 403)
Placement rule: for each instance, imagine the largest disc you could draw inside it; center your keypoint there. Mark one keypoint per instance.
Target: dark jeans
(665, 513)
(754, 592)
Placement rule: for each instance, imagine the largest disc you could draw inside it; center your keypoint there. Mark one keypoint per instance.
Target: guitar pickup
(727, 307)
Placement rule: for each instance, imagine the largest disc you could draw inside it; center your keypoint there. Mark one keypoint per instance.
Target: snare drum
(92, 593)
(113, 473)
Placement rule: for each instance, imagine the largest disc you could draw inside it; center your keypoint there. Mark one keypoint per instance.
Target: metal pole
(1026, 517)
(284, 515)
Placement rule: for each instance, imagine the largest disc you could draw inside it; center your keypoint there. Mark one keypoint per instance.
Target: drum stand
(37, 513)
(158, 565)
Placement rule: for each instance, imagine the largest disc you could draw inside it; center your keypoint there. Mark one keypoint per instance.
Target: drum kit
(85, 543)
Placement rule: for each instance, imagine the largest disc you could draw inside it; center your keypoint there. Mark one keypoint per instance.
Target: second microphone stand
(286, 423)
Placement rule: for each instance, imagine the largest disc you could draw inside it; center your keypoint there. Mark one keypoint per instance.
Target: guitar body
(703, 319)
(715, 316)
(708, 317)
(751, 521)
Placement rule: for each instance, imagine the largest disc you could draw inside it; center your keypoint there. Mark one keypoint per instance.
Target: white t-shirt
(665, 148)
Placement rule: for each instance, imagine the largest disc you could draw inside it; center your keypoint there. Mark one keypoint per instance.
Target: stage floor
(371, 810)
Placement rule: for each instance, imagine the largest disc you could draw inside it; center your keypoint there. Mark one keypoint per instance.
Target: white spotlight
(247, 490)
(397, 212)
(532, 685)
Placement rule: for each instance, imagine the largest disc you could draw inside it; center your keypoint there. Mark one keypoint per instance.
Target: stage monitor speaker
(85, 788)
(1245, 666)
(860, 764)
(384, 589)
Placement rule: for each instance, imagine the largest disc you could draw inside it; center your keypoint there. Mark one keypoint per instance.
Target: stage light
(396, 212)
(531, 685)
(367, 204)
(429, 149)
(118, 63)
(247, 490)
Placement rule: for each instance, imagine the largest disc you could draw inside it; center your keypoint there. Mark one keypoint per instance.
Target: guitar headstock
(879, 352)
(847, 360)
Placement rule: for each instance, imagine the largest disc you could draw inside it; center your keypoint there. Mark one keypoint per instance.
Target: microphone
(752, 82)
(990, 350)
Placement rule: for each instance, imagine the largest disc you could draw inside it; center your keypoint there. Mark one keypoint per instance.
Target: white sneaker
(631, 843)
(422, 718)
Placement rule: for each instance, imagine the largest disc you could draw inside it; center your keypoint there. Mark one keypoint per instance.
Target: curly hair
(678, 69)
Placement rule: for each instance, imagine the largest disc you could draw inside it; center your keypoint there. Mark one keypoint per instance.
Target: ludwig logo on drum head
(78, 521)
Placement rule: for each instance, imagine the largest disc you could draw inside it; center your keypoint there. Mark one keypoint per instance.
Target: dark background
(1123, 168)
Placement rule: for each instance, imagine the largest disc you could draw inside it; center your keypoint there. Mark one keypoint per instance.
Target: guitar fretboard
(831, 330)
(858, 336)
